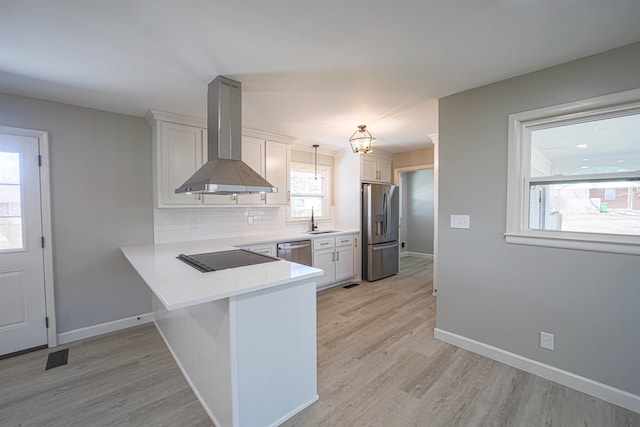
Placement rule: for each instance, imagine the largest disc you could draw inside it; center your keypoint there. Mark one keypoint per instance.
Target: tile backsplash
(183, 224)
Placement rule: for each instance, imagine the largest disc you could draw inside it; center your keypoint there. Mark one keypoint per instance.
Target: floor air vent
(57, 358)
(350, 285)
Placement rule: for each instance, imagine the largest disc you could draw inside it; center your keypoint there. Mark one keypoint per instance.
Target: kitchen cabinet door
(344, 263)
(264, 249)
(277, 172)
(181, 154)
(325, 260)
(375, 169)
(384, 171)
(368, 168)
(253, 154)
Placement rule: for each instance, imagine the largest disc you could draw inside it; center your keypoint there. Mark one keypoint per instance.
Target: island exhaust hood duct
(225, 172)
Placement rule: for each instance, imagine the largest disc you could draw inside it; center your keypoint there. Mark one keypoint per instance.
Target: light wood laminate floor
(378, 365)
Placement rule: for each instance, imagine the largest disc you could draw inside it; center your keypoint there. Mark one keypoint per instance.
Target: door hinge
(42, 241)
(39, 160)
(46, 321)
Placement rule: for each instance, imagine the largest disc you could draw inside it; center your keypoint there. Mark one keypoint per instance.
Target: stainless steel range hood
(225, 172)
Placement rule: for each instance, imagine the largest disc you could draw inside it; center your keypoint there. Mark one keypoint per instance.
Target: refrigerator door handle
(385, 209)
(384, 246)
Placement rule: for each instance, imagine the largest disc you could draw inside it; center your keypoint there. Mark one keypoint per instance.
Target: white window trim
(517, 231)
(328, 173)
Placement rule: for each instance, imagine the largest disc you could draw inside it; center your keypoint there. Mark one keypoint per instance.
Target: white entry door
(22, 290)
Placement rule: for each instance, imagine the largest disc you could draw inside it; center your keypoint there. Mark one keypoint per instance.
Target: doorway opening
(417, 209)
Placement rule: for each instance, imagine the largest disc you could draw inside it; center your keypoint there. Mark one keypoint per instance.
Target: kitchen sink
(322, 231)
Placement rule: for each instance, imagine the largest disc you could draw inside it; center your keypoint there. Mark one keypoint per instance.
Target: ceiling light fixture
(361, 140)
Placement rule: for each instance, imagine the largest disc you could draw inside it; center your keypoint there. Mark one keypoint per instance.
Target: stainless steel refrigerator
(380, 230)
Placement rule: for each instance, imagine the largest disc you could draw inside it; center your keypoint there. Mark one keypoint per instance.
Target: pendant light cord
(315, 147)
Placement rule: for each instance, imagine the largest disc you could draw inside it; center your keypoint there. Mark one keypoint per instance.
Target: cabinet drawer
(269, 249)
(323, 243)
(344, 241)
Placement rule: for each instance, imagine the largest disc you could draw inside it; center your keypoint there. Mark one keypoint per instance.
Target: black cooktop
(214, 261)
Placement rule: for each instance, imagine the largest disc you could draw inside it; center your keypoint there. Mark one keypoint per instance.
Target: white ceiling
(309, 69)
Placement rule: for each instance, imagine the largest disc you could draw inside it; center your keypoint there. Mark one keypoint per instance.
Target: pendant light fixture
(361, 140)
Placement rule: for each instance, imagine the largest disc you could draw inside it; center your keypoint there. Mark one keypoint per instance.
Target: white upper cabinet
(375, 169)
(277, 173)
(384, 169)
(180, 155)
(180, 149)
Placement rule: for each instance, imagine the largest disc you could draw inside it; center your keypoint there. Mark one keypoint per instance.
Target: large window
(574, 175)
(309, 191)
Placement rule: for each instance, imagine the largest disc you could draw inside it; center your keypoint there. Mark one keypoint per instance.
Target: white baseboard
(601, 391)
(416, 254)
(103, 328)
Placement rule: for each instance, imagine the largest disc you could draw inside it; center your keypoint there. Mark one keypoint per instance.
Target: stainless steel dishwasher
(298, 251)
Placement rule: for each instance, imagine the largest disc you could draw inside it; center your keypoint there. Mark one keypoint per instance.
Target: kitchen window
(574, 175)
(309, 190)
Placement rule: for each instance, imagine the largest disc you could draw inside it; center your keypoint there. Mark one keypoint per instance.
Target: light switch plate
(460, 221)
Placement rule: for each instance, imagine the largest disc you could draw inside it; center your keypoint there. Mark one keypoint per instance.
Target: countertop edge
(244, 291)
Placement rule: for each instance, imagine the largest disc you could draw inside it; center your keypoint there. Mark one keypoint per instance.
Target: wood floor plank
(108, 381)
(378, 365)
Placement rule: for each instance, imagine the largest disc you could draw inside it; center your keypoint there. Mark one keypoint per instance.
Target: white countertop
(179, 285)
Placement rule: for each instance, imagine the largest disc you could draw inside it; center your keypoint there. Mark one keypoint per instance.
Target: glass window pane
(309, 189)
(306, 182)
(301, 206)
(10, 202)
(591, 207)
(608, 145)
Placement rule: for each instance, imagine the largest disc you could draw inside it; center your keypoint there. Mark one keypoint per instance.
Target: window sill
(627, 245)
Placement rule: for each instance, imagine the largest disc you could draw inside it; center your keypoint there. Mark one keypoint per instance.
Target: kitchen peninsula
(244, 338)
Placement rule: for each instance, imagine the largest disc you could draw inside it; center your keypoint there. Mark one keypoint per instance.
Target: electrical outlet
(249, 220)
(546, 340)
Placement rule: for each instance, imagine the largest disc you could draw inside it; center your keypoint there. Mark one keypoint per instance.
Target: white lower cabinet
(344, 263)
(264, 249)
(334, 255)
(324, 259)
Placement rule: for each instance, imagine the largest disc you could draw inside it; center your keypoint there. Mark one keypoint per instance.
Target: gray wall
(504, 295)
(101, 194)
(418, 211)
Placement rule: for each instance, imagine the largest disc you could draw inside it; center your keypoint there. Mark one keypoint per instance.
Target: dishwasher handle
(288, 246)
